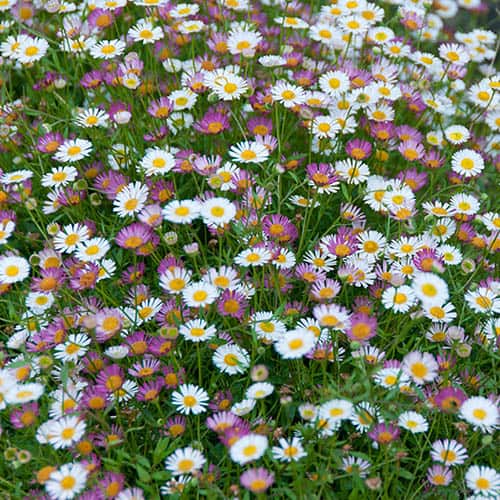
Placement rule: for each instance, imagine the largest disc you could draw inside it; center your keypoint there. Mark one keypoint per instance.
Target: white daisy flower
(185, 461)
(481, 413)
(248, 448)
(189, 399)
(67, 481)
(131, 199)
(73, 150)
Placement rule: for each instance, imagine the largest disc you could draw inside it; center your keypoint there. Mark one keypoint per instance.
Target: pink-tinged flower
(138, 343)
(229, 436)
(51, 279)
(107, 439)
(439, 475)
(428, 260)
(49, 142)
(94, 398)
(384, 433)
(413, 179)
(172, 377)
(175, 426)
(447, 360)
(411, 150)
(322, 176)
(363, 327)
(304, 78)
(150, 390)
(110, 183)
(280, 228)
(223, 421)
(309, 273)
(212, 123)
(358, 149)
(260, 125)
(92, 79)
(160, 346)
(383, 131)
(411, 20)
(466, 232)
(257, 480)
(84, 277)
(161, 191)
(160, 108)
(450, 399)
(101, 18)
(134, 273)
(25, 416)
(111, 484)
(156, 134)
(134, 236)
(342, 244)
(108, 322)
(120, 113)
(69, 197)
(146, 368)
(407, 133)
(111, 378)
(232, 303)
(221, 401)
(325, 290)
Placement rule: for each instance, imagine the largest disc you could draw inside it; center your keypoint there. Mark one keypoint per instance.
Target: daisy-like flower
(59, 177)
(92, 250)
(157, 161)
(391, 377)
(107, 49)
(144, 32)
(336, 410)
(31, 50)
(457, 134)
(197, 330)
(189, 399)
(413, 422)
(334, 83)
(356, 465)
(430, 288)
(182, 211)
(266, 327)
(325, 126)
(481, 413)
(454, 53)
(295, 343)
(288, 94)
(248, 448)
(259, 390)
(439, 475)
(67, 481)
(231, 359)
(13, 269)
(252, 257)
(420, 366)
(243, 42)
(131, 199)
(16, 177)
(467, 163)
(444, 313)
(332, 316)
(175, 280)
(75, 346)
(184, 10)
(24, 393)
(352, 171)
(227, 85)
(483, 301)
(256, 480)
(185, 461)
(6, 230)
(92, 117)
(289, 450)
(217, 211)
(73, 150)
(249, 152)
(449, 452)
(66, 431)
(199, 294)
(483, 481)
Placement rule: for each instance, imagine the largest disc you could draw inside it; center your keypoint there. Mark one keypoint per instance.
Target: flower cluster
(248, 247)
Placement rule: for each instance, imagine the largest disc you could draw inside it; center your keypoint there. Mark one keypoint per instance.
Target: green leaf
(160, 451)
